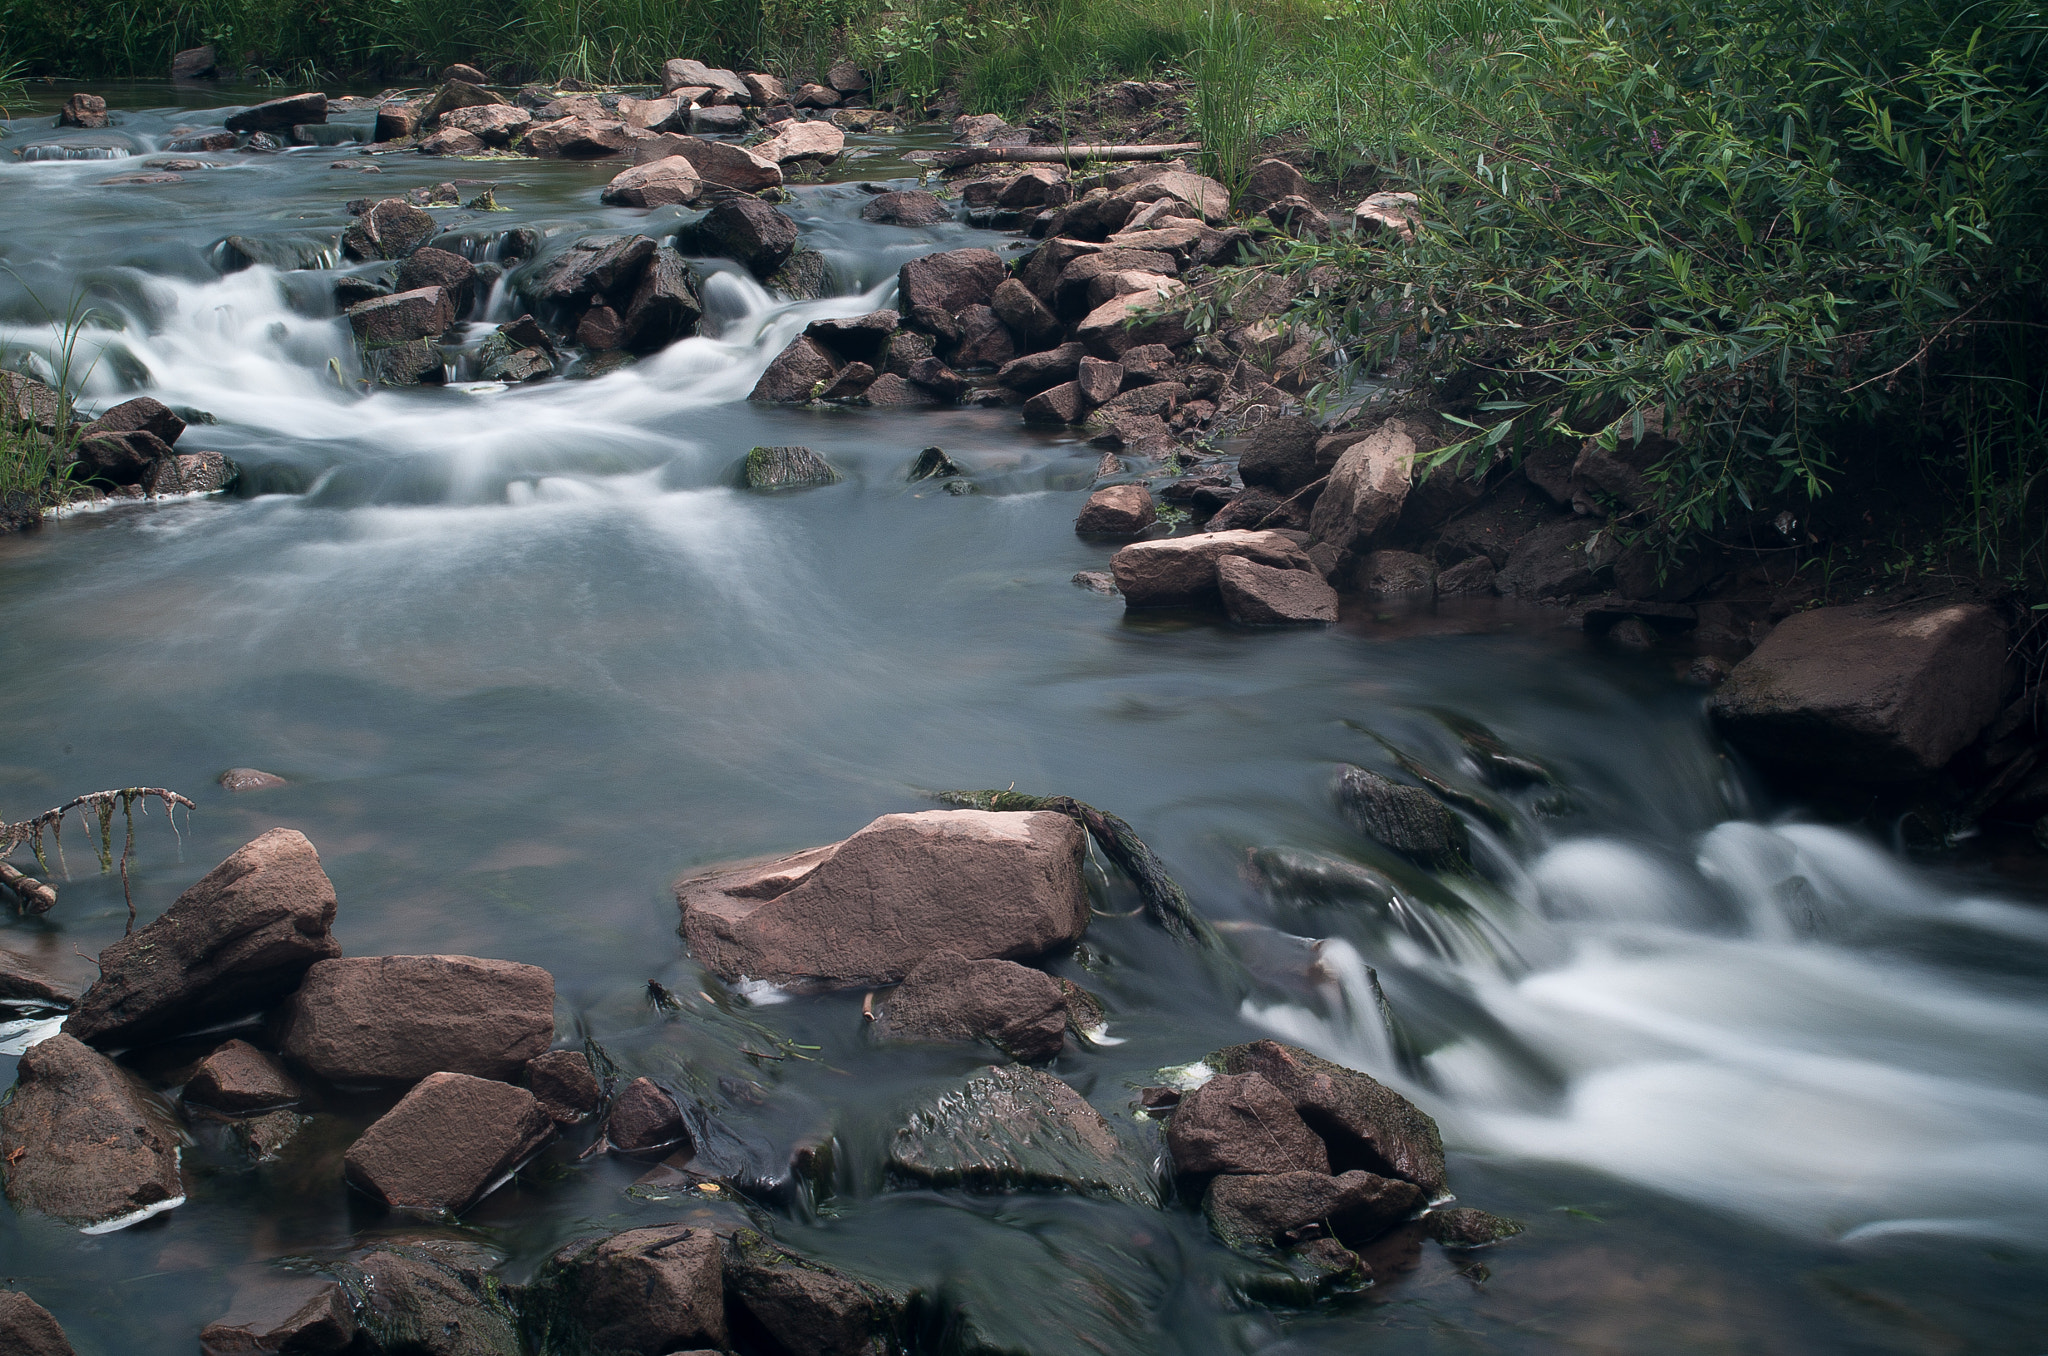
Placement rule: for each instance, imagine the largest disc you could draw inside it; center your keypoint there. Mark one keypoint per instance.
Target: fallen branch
(102, 804)
(1165, 902)
(1280, 511)
(34, 894)
(1061, 155)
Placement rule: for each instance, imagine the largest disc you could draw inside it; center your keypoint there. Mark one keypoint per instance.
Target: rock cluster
(129, 447)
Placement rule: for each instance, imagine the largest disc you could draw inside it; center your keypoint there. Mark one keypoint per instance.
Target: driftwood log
(1061, 155)
(35, 896)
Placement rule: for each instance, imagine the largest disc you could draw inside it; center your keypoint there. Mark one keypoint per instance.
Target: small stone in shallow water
(782, 468)
(645, 1119)
(249, 779)
(1468, 1228)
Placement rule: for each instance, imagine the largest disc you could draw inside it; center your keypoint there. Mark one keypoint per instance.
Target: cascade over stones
(1014, 1128)
(82, 1142)
(744, 229)
(867, 910)
(400, 1018)
(447, 1142)
(238, 939)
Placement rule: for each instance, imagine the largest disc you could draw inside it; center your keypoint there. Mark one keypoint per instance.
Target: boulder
(1473, 575)
(786, 468)
(1016, 1128)
(453, 274)
(1061, 404)
(237, 1077)
(979, 128)
(239, 939)
(721, 164)
(576, 139)
(984, 340)
(815, 96)
(1241, 1123)
(1117, 511)
(1099, 381)
(594, 269)
(948, 997)
(890, 391)
(1269, 182)
(645, 1291)
(423, 313)
(447, 1142)
(1280, 1209)
(1393, 215)
(280, 115)
(807, 276)
(1181, 571)
(394, 1019)
(1026, 316)
(645, 1119)
(497, 125)
(796, 141)
(143, 414)
(390, 229)
(83, 110)
(463, 71)
(1368, 484)
(659, 183)
(1037, 371)
(682, 72)
(119, 458)
(195, 63)
(664, 306)
(1134, 318)
(1867, 694)
(1389, 574)
(669, 114)
(804, 1306)
(1035, 186)
(1260, 595)
(867, 910)
(1188, 244)
(397, 120)
(800, 372)
(562, 1083)
(1407, 819)
(300, 1315)
(81, 1142)
(1090, 279)
(915, 207)
(430, 1298)
(862, 338)
(452, 141)
(28, 1329)
(1365, 1125)
(932, 289)
(410, 364)
(1550, 562)
(744, 229)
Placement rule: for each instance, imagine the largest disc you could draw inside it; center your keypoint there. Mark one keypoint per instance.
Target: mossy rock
(786, 468)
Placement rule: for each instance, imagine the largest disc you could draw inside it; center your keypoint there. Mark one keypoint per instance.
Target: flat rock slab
(1866, 694)
(1365, 1124)
(447, 1142)
(1018, 1129)
(1181, 571)
(869, 909)
(399, 1018)
(304, 1315)
(81, 1142)
(1261, 595)
(239, 939)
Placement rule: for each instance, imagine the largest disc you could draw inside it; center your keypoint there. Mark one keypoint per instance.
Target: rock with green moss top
(786, 468)
(1465, 1227)
(806, 1306)
(1019, 1129)
(429, 1297)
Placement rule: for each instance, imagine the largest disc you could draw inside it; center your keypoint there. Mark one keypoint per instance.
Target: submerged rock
(447, 1142)
(1464, 1227)
(28, 1329)
(1282, 1209)
(239, 1077)
(951, 998)
(1405, 818)
(1016, 1128)
(805, 1306)
(80, 1142)
(647, 1292)
(241, 937)
(867, 910)
(934, 464)
(400, 1018)
(786, 468)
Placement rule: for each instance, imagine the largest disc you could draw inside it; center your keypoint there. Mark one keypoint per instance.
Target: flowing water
(1755, 1084)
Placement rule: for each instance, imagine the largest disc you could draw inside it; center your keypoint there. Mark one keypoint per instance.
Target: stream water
(1755, 1084)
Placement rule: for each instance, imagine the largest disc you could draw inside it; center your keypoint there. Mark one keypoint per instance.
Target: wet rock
(665, 306)
(786, 468)
(143, 414)
(24, 400)
(934, 376)
(429, 1298)
(1017, 1128)
(804, 1306)
(452, 141)
(743, 229)
(423, 313)
(853, 379)
(659, 183)
(645, 1291)
(280, 115)
(1388, 574)
(978, 129)
(860, 338)
(721, 164)
(890, 391)
(1281, 1209)
(241, 937)
(867, 910)
(393, 1019)
(934, 464)
(1117, 511)
(595, 268)
(190, 473)
(800, 372)
(397, 120)
(264, 1137)
(807, 276)
(1473, 575)
(1366, 1125)
(195, 63)
(1464, 1227)
(1038, 371)
(83, 110)
(453, 274)
(1061, 404)
(1550, 562)
(934, 288)
(1407, 819)
(948, 997)
(79, 1140)
(28, 1329)
(1260, 595)
(682, 72)
(1132, 319)
(119, 458)
(562, 1083)
(238, 1077)
(410, 364)
(299, 1315)
(504, 358)
(1282, 453)
(1867, 694)
(984, 342)
(600, 330)
(576, 139)
(1095, 581)
(645, 1119)
(1026, 316)
(446, 1143)
(907, 348)
(1241, 1123)
(913, 208)
(1181, 571)
(391, 229)
(728, 120)
(796, 142)
(1393, 215)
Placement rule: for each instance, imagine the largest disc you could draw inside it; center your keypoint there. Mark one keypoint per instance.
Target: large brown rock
(1181, 571)
(932, 289)
(645, 1119)
(1040, 371)
(1365, 1124)
(191, 473)
(867, 910)
(423, 313)
(1867, 694)
(143, 414)
(28, 1329)
(667, 182)
(577, 139)
(721, 164)
(280, 115)
(797, 141)
(120, 458)
(664, 306)
(800, 372)
(240, 938)
(1134, 319)
(81, 1142)
(807, 1307)
(596, 268)
(1367, 487)
(1269, 182)
(399, 1018)
(683, 73)
(744, 229)
(446, 1143)
(646, 1291)
(294, 1315)
(1026, 316)
(951, 998)
(1260, 595)
(239, 1077)
(493, 124)
(1117, 511)
(1282, 454)
(1551, 562)
(1279, 1209)
(390, 229)
(1242, 1123)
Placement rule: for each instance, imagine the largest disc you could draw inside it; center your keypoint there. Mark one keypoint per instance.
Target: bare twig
(1063, 155)
(101, 806)
(36, 896)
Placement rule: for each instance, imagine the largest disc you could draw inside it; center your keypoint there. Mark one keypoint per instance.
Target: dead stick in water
(39, 897)
(1062, 155)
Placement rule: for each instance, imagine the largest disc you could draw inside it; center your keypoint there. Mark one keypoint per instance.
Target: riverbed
(525, 655)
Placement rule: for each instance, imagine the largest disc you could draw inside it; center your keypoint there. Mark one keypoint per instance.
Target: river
(1754, 1083)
